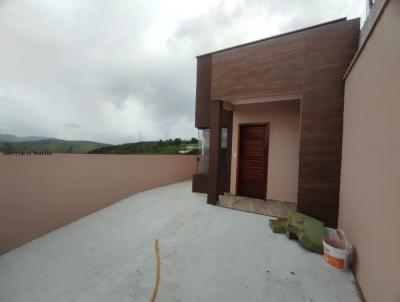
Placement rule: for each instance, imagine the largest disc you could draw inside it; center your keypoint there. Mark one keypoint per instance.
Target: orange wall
(41, 193)
(283, 159)
(370, 182)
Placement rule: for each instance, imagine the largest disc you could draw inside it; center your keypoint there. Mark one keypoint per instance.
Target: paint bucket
(337, 250)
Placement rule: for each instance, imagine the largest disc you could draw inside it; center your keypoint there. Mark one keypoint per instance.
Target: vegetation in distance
(175, 146)
(11, 144)
(50, 146)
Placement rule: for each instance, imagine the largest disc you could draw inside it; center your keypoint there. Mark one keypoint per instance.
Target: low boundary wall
(41, 193)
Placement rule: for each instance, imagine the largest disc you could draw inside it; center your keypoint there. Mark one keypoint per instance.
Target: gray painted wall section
(371, 17)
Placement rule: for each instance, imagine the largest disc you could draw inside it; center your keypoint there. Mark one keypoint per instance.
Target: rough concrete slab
(208, 253)
(269, 207)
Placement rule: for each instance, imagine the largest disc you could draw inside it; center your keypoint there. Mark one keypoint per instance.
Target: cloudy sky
(107, 70)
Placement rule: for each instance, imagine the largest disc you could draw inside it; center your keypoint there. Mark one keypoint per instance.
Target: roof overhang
(230, 104)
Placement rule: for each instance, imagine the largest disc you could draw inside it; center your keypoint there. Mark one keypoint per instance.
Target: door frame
(266, 153)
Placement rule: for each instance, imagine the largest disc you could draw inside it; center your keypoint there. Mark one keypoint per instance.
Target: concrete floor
(208, 253)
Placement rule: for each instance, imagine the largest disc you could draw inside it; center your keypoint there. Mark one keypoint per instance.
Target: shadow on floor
(268, 207)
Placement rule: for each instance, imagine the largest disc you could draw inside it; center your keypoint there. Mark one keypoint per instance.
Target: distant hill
(51, 145)
(15, 139)
(12, 143)
(152, 147)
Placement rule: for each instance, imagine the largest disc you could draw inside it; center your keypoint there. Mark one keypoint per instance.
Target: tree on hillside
(177, 141)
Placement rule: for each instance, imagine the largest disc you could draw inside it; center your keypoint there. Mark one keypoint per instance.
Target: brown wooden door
(253, 160)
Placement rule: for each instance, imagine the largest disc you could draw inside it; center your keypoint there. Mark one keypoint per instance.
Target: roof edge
(276, 36)
(364, 43)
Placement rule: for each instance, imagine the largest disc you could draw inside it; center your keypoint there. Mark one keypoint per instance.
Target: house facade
(270, 118)
(314, 113)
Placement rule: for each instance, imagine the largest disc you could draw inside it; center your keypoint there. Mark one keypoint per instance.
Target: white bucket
(337, 250)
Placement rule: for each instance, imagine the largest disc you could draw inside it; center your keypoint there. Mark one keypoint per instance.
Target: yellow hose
(155, 289)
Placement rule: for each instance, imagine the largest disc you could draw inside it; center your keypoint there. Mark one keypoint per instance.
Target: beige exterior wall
(370, 182)
(41, 193)
(283, 157)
